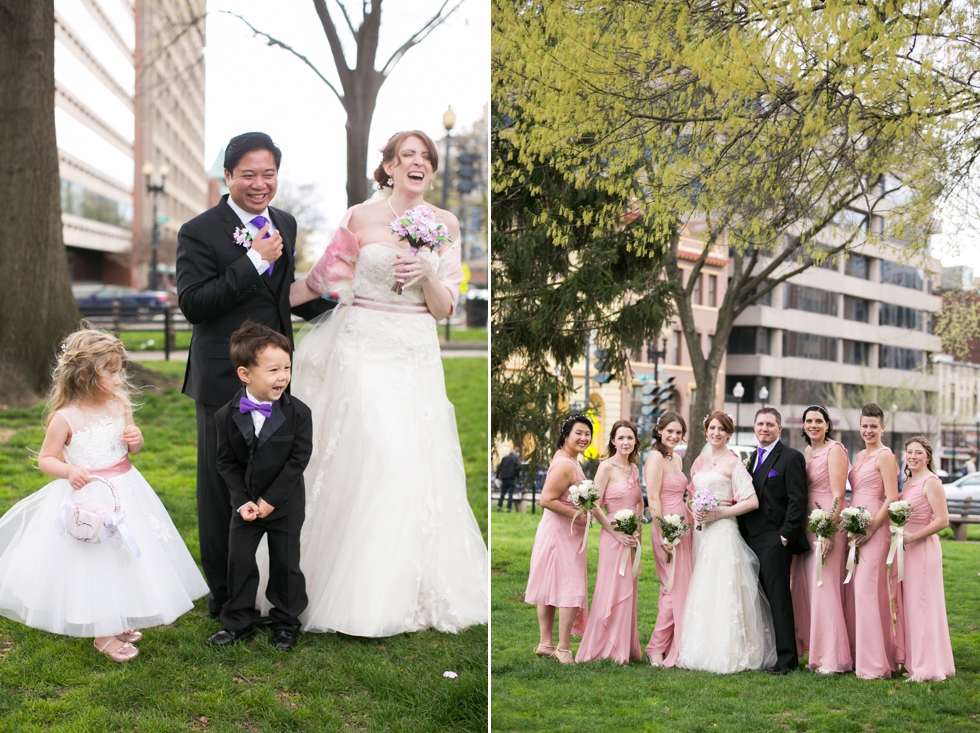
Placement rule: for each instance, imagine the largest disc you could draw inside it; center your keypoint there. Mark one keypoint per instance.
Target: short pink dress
(818, 610)
(874, 637)
(559, 573)
(922, 635)
(670, 606)
(611, 632)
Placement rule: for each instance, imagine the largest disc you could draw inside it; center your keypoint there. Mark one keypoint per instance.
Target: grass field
(153, 340)
(330, 682)
(535, 694)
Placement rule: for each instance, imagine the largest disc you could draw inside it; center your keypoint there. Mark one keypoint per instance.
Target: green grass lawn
(535, 694)
(330, 682)
(141, 340)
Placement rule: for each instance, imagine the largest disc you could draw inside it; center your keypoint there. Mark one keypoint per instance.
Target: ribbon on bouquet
(897, 547)
(852, 557)
(818, 553)
(669, 546)
(588, 524)
(624, 557)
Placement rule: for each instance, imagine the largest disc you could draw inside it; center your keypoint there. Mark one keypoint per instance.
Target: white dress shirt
(246, 218)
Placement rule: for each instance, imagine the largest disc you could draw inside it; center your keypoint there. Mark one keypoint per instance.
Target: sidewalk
(454, 349)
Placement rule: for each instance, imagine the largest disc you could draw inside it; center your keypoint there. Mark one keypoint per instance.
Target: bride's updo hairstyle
(634, 455)
(826, 416)
(927, 446)
(390, 151)
(657, 433)
(569, 423)
(86, 356)
(727, 424)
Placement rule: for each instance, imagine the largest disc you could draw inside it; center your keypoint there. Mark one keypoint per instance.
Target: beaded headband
(572, 419)
(707, 419)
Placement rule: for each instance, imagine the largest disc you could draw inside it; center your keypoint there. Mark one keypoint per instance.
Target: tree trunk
(36, 304)
(360, 111)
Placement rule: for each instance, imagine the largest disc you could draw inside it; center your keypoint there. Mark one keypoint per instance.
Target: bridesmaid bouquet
(703, 501)
(854, 520)
(419, 227)
(899, 512)
(584, 496)
(824, 526)
(672, 528)
(626, 521)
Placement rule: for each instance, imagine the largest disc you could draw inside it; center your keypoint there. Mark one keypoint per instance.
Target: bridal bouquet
(584, 496)
(626, 521)
(824, 526)
(703, 501)
(854, 520)
(418, 226)
(899, 512)
(672, 528)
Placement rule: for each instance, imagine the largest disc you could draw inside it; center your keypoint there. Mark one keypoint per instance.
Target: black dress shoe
(226, 637)
(778, 670)
(284, 639)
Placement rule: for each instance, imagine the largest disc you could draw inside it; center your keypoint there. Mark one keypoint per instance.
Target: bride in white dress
(390, 543)
(727, 624)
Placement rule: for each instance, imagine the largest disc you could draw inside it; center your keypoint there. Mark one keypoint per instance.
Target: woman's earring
(432, 187)
(390, 182)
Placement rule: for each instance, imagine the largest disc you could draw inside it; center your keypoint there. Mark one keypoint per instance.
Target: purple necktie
(246, 406)
(259, 222)
(758, 462)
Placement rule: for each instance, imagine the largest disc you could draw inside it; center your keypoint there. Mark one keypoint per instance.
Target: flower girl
(94, 553)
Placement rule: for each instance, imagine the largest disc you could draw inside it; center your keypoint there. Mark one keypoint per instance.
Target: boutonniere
(748, 463)
(243, 238)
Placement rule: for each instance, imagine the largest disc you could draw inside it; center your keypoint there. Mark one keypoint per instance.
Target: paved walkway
(453, 350)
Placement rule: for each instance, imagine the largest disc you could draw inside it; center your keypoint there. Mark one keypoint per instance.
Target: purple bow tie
(246, 406)
(259, 222)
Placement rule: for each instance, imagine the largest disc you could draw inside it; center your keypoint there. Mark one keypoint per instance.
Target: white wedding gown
(727, 624)
(389, 544)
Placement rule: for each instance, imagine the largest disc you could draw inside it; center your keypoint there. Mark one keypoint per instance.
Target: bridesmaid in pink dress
(666, 485)
(611, 632)
(826, 471)
(558, 576)
(922, 634)
(874, 485)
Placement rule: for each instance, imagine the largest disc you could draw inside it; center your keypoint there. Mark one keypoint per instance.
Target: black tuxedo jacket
(218, 289)
(269, 465)
(782, 498)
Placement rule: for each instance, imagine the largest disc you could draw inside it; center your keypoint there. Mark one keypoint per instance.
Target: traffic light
(601, 364)
(467, 172)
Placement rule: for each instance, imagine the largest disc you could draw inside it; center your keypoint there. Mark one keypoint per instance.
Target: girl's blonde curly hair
(85, 356)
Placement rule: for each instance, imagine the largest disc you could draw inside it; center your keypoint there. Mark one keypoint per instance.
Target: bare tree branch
(434, 22)
(276, 42)
(350, 25)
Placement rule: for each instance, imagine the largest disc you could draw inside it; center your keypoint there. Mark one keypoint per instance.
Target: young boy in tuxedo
(265, 437)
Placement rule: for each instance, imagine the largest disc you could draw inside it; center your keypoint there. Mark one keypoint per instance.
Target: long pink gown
(821, 607)
(670, 606)
(922, 635)
(611, 632)
(559, 573)
(874, 637)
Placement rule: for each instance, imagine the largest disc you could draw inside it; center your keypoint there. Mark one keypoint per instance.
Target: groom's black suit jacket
(219, 289)
(269, 465)
(782, 498)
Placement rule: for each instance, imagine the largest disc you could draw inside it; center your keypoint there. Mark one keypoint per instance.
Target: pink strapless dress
(670, 606)
(922, 635)
(819, 610)
(611, 632)
(559, 573)
(870, 617)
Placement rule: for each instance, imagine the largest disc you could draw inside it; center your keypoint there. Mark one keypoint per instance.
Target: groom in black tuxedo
(234, 263)
(775, 530)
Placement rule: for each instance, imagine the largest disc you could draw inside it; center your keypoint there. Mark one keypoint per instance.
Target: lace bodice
(374, 276)
(96, 435)
(717, 483)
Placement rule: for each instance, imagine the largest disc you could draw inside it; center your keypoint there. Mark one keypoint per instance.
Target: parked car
(97, 300)
(964, 487)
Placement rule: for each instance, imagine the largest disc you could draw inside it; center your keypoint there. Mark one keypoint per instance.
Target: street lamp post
(976, 419)
(155, 191)
(894, 431)
(955, 441)
(448, 121)
(738, 392)
(763, 395)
